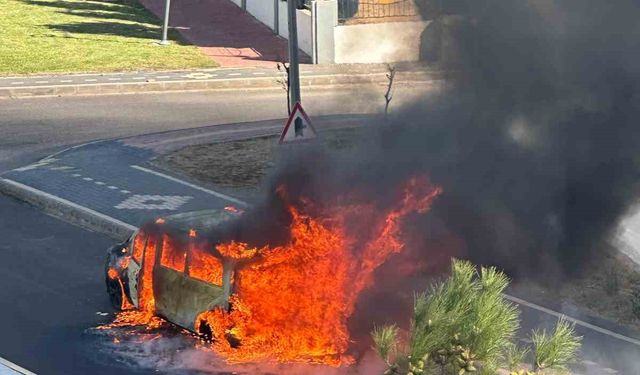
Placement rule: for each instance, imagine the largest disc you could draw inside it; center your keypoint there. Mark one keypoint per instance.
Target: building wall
(322, 38)
(304, 26)
(237, 2)
(263, 10)
(379, 42)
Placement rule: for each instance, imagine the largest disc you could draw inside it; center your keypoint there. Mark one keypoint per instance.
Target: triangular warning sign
(302, 130)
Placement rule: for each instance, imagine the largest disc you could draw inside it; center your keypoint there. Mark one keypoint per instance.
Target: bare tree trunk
(286, 86)
(389, 95)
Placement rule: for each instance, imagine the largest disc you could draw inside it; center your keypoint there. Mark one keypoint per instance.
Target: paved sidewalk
(206, 79)
(224, 32)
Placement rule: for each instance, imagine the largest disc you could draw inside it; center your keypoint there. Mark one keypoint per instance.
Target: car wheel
(114, 288)
(205, 331)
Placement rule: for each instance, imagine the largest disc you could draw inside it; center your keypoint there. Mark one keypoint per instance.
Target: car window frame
(160, 252)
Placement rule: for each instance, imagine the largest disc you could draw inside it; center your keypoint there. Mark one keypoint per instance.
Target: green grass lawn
(57, 36)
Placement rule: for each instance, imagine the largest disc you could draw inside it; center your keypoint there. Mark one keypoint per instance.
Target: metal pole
(165, 25)
(294, 64)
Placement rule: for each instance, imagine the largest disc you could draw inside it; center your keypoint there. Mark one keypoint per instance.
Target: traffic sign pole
(294, 59)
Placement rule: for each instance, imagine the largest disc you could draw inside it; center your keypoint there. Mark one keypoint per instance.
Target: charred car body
(183, 273)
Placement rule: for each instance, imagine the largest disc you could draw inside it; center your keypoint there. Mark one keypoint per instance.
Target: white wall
(237, 2)
(305, 42)
(283, 21)
(378, 42)
(263, 10)
(304, 26)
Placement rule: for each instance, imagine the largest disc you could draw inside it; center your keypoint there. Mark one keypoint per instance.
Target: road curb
(67, 210)
(210, 84)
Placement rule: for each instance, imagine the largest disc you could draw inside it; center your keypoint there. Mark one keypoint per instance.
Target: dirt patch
(240, 164)
(607, 289)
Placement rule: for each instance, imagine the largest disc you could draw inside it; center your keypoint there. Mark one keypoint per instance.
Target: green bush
(460, 321)
(558, 350)
(385, 339)
(515, 356)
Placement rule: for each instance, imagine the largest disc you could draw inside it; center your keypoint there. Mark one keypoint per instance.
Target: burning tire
(206, 333)
(114, 287)
(204, 330)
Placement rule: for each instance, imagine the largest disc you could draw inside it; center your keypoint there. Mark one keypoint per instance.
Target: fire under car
(188, 276)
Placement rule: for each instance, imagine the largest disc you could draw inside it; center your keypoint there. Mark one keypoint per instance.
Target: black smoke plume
(536, 141)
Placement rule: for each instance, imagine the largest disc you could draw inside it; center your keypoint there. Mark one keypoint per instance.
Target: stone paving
(224, 32)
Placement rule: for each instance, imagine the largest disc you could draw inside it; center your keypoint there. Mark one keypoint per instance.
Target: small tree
(388, 96)
(283, 68)
(464, 324)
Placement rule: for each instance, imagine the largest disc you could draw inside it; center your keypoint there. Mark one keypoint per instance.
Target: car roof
(201, 221)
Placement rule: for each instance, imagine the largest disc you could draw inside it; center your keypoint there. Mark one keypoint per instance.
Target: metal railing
(361, 9)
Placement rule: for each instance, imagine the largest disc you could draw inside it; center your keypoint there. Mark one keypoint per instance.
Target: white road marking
(76, 175)
(259, 73)
(42, 81)
(154, 202)
(115, 79)
(573, 320)
(12, 366)
(125, 191)
(17, 83)
(90, 80)
(69, 203)
(41, 163)
(234, 74)
(66, 80)
(112, 187)
(138, 78)
(609, 370)
(87, 178)
(61, 168)
(99, 183)
(208, 191)
(163, 77)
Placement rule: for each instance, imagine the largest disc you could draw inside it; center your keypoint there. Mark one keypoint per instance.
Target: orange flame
(234, 210)
(146, 300)
(294, 303)
(291, 302)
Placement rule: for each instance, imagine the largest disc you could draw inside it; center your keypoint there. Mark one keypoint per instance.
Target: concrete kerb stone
(66, 210)
(378, 77)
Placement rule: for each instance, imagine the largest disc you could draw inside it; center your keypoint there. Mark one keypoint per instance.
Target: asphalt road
(51, 282)
(51, 277)
(33, 128)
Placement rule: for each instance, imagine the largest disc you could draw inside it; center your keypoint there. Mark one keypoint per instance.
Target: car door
(169, 277)
(133, 271)
(201, 286)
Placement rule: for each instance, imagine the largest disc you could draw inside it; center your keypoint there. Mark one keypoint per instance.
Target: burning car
(167, 264)
(285, 300)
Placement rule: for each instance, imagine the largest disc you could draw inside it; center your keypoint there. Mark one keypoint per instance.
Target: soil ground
(608, 288)
(239, 164)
